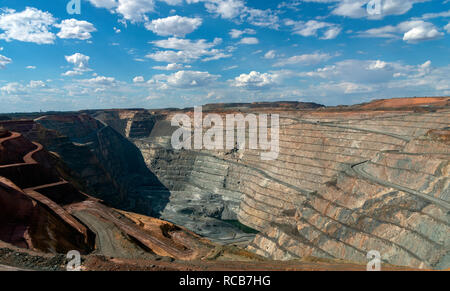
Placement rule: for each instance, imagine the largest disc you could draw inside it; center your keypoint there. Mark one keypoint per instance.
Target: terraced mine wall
(28, 218)
(206, 205)
(43, 214)
(344, 183)
(97, 159)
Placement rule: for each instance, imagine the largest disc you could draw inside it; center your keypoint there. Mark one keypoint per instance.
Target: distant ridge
(278, 104)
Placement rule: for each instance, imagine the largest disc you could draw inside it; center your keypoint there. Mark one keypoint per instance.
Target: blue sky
(180, 53)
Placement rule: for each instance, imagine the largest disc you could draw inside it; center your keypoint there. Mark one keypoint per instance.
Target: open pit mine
(347, 181)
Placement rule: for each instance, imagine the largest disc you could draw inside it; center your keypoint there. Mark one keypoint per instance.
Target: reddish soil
(407, 102)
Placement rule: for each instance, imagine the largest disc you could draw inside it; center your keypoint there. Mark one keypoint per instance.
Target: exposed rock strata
(348, 180)
(42, 212)
(97, 159)
(311, 201)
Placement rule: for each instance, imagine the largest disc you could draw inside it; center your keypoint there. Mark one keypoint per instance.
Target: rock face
(28, 218)
(198, 203)
(97, 159)
(43, 213)
(133, 124)
(348, 180)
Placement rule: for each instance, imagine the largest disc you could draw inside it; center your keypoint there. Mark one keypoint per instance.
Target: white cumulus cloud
(313, 28)
(131, 10)
(100, 81)
(186, 50)
(358, 8)
(36, 84)
(410, 31)
(80, 63)
(30, 25)
(255, 80)
(249, 40)
(138, 79)
(236, 33)
(185, 79)
(76, 29)
(227, 9)
(175, 25)
(171, 67)
(108, 4)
